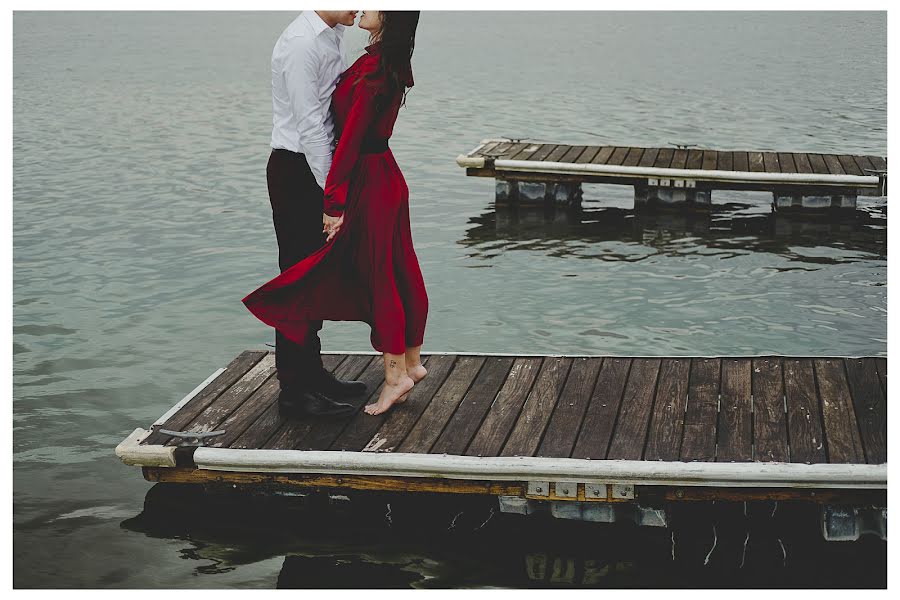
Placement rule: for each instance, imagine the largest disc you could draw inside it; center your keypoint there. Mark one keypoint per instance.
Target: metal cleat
(192, 438)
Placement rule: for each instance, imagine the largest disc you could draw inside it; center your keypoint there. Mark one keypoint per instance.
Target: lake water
(141, 219)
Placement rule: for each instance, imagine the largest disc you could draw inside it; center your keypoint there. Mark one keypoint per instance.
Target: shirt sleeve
(362, 111)
(301, 76)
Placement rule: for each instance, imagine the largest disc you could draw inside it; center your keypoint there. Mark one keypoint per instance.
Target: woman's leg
(396, 384)
(411, 286)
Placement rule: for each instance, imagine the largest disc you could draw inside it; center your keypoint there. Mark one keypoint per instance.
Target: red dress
(368, 271)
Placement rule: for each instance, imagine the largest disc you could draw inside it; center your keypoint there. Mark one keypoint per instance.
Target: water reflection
(732, 228)
(380, 540)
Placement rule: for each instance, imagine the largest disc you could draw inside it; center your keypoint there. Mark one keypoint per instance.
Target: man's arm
(301, 75)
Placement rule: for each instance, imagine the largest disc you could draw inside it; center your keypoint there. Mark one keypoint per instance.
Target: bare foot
(417, 374)
(390, 395)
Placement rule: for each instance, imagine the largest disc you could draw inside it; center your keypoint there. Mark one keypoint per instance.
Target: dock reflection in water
(379, 540)
(741, 227)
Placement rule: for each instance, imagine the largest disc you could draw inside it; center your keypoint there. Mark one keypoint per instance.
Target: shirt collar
(319, 25)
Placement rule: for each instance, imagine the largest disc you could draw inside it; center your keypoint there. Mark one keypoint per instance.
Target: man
(306, 63)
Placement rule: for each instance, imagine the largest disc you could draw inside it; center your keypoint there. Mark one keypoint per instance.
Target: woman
(367, 270)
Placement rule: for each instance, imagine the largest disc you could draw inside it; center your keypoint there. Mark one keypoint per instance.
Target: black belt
(370, 146)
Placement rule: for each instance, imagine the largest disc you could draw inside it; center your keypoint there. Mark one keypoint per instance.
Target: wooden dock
(675, 175)
(561, 428)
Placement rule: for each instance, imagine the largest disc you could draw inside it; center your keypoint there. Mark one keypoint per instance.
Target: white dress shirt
(306, 63)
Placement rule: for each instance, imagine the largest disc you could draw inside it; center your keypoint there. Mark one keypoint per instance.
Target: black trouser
(297, 214)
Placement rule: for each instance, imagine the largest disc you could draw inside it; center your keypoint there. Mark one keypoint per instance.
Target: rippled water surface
(141, 219)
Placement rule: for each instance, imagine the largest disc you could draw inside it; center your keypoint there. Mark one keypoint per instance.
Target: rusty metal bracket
(192, 438)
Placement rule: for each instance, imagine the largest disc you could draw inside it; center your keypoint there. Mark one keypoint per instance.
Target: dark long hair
(398, 40)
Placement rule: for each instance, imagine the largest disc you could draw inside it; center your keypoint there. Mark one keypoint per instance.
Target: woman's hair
(398, 40)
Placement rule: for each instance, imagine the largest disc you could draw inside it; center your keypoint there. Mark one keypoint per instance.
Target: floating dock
(550, 173)
(582, 436)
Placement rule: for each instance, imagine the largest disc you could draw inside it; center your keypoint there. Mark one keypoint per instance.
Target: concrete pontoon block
(672, 196)
(793, 201)
(539, 193)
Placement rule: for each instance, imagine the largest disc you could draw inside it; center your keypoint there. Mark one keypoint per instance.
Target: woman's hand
(331, 225)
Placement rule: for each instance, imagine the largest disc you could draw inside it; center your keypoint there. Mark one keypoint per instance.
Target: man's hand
(331, 225)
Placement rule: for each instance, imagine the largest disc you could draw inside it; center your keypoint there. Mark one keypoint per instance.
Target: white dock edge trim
(532, 166)
(557, 355)
(132, 453)
(527, 468)
(168, 414)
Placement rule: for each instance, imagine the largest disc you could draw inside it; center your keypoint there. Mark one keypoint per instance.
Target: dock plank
(869, 406)
(667, 422)
(544, 152)
(769, 420)
(236, 369)
(878, 162)
(881, 365)
(565, 423)
(590, 152)
(694, 159)
(464, 423)
(833, 164)
(502, 414)
(399, 422)
(430, 425)
(603, 156)
(572, 154)
(803, 412)
(710, 160)
(600, 417)
(725, 161)
(865, 164)
(786, 161)
(649, 157)
(291, 432)
(770, 162)
(363, 426)
(700, 419)
(679, 158)
(841, 430)
(633, 157)
(267, 423)
(818, 164)
(529, 428)
(557, 153)
(664, 158)
(527, 151)
(801, 162)
(849, 165)
(735, 441)
(756, 162)
(741, 161)
(630, 431)
(618, 155)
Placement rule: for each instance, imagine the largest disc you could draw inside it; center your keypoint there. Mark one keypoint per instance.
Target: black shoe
(328, 384)
(307, 403)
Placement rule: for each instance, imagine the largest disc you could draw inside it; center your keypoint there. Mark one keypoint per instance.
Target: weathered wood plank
(679, 158)
(878, 162)
(633, 157)
(818, 164)
(532, 421)
(841, 431)
(710, 160)
(504, 411)
(267, 423)
(803, 413)
(664, 158)
(545, 151)
(603, 156)
(291, 432)
(442, 406)
(735, 441)
(590, 152)
(694, 159)
(881, 365)
(786, 161)
(247, 413)
(557, 153)
(630, 432)
(565, 423)
(833, 164)
(725, 161)
(699, 441)
(870, 407)
(600, 417)
(801, 162)
(756, 162)
(618, 155)
(572, 155)
(667, 423)
(488, 149)
(465, 422)
(741, 161)
(326, 430)
(864, 164)
(528, 151)
(513, 150)
(363, 426)
(850, 166)
(232, 398)
(400, 421)
(769, 420)
(770, 162)
(236, 369)
(649, 157)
